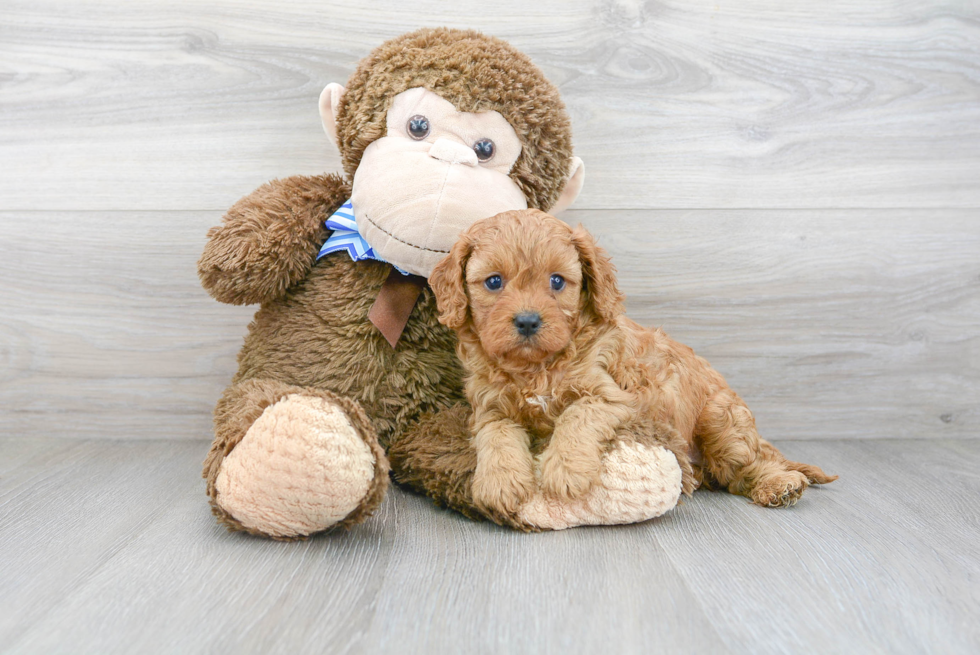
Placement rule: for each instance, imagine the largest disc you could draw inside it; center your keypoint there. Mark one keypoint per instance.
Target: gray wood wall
(791, 187)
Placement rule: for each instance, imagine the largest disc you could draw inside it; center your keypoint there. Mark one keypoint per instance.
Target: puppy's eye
(493, 283)
(557, 282)
(484, 149)
(418, 127)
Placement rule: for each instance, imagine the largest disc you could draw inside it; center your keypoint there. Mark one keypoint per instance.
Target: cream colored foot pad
(638, 483)
(300, 469)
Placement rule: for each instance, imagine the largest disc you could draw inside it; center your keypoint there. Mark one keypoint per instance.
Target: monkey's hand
(268, 240)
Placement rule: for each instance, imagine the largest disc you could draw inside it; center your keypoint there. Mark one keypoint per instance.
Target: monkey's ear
(602, 292)
(573, 185)
(329, 104)
(448, 282)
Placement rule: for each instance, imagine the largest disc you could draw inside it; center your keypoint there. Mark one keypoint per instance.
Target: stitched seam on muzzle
(410, 245)
(442, 193)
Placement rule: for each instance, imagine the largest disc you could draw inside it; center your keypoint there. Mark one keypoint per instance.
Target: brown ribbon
(395, 303)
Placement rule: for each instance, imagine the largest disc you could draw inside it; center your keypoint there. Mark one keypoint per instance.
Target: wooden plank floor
(108, 547)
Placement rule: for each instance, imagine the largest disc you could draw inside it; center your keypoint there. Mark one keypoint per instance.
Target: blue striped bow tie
(346, 237)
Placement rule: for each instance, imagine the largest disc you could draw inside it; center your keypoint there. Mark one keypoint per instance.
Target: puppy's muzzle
(527, 324)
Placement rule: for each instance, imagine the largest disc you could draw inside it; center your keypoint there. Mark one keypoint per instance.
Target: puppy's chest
(539, 407)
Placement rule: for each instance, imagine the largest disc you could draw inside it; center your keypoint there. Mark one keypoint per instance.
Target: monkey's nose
(452, 152)
(527, 323)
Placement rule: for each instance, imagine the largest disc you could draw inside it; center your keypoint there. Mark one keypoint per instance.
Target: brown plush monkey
(437, 129)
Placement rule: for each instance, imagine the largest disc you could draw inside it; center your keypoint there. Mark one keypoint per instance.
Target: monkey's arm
(268, 240)
(641, 478)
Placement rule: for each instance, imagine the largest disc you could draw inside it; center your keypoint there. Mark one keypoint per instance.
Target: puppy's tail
(814, 474)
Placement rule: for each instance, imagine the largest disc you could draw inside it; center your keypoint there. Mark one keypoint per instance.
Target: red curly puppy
(554, 363)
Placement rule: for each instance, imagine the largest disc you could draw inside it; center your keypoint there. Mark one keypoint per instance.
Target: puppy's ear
(448, 282)
(602, 293)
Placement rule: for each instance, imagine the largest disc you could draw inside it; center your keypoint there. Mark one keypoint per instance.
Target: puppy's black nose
(527, 323)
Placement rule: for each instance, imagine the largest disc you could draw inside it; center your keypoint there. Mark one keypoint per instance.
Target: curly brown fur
(434, 457)
(476, 73)
(585, 373)
(315, 336)
(268, 240)
(312, 330)
(318, 335)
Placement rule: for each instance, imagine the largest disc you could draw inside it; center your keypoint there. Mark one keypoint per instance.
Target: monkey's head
(440, 128)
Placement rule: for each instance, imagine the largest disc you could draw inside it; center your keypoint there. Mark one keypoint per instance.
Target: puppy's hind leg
(748, 465)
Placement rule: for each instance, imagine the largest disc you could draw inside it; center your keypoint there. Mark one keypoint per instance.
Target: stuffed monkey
(437, 129)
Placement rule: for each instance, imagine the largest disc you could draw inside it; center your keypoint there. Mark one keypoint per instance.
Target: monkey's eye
(418, 127)
(493, 283)
(484, 149)
(557, 282)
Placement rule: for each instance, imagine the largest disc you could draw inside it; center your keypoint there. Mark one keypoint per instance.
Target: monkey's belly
(319, 336)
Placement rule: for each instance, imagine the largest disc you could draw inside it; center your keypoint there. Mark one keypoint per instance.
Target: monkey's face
(436, 172)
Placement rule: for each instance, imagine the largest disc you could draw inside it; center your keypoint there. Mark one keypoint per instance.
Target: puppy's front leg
(571, 463)
(504, 475)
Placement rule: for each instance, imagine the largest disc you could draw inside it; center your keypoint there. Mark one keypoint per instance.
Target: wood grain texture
(899, 522)
(109, 547)
(105, 330)
(834, 323)
(69, 510)
(186, 105)
(830, 324)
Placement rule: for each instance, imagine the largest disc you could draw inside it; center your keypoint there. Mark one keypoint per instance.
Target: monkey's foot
(639, 482)
(301, 468)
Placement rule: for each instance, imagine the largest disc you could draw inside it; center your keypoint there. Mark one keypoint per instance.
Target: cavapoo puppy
(556, 368)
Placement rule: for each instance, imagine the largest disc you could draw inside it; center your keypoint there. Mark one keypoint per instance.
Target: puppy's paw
(779, 489)
(501, 491)
(568, 476)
